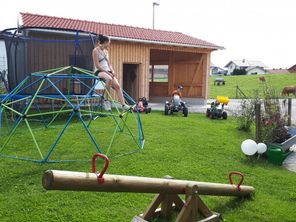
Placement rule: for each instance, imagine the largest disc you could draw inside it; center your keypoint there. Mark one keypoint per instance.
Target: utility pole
(154, 4)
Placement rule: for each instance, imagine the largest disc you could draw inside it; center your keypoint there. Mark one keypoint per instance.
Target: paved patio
(290, 162)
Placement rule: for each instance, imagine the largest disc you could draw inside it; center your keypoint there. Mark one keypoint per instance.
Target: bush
(245, 115)
(237, 72)
(272, 121)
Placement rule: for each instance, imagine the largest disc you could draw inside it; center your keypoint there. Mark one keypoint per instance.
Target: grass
(193, 148)
(248, 84)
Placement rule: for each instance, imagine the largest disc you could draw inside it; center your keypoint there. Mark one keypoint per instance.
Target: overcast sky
(248, 29)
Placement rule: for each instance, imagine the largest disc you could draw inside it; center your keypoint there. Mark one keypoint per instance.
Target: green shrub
(239, 72)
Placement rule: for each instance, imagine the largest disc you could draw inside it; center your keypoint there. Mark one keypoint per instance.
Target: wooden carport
(134, 50)
(186, 67)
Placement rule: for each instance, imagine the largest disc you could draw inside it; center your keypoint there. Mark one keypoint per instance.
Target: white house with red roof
(251, 66)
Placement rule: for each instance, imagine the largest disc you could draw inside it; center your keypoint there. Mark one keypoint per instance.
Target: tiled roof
(117, 31)
(277, 71)
(292, 68)
(246, 63)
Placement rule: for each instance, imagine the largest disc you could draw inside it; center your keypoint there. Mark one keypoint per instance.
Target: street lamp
(154, 4)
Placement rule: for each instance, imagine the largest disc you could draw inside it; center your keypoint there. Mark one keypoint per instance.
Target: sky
(248, 29)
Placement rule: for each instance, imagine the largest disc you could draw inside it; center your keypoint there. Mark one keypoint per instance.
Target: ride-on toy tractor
(142, 106)
(176, 104)
(216, 111)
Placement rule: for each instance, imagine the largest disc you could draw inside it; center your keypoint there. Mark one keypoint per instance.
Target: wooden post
(289, 111)
(150, 211)
(189, 211)
(167, 203)
(194, 207)
(152, 73)
(258, 122)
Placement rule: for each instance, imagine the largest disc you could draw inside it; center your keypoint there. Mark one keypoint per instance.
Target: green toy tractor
(216, 111)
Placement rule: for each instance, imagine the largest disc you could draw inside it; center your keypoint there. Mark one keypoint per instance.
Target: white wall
(231, 67)
(256, 70)
(3, 59)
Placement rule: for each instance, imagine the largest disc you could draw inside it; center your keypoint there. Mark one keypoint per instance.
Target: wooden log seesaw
(167, 190)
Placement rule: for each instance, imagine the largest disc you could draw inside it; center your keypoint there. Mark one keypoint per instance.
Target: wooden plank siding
(131, 53)
(186, 68)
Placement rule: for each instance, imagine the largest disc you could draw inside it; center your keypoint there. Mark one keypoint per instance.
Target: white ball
(249, 147)
(261, 148)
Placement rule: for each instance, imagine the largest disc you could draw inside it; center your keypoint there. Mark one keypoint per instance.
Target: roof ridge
(97, 22)
(116, 30)
(246, 60)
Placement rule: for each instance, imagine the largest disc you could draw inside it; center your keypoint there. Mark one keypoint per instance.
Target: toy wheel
(208, 113)
(166, 110)
(224, 115)
(185, 111)
(212, 115)
(148, 110)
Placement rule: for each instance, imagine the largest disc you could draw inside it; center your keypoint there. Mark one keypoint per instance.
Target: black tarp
(32, 49)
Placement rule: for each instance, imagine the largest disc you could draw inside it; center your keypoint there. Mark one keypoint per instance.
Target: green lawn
(248, 84)
(193, 148)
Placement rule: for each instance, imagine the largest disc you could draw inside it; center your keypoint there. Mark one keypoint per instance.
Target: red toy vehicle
(142, 106)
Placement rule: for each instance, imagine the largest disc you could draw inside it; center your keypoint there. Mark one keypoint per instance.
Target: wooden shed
(137, 53)
(292, 69)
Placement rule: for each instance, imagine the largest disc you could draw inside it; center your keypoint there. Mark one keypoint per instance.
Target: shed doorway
(130, 81)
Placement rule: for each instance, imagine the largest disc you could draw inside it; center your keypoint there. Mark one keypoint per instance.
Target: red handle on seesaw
(241, 180)
(107, 161)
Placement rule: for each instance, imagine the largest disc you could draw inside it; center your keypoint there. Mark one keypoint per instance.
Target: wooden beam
(187, 62)
(195, 75)
(189, 85)
(68, 180)
(172, 74)
(203, 209)
(167, 197)
(150, 211)
(289, 112)
(205, 77)
(167, 205)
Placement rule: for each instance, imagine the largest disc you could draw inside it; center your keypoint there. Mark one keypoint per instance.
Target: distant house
(215, 70)
(292, 69)
(251, 67)
(278, 71)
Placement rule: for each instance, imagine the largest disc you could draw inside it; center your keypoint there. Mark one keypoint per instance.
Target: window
(158, 73)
